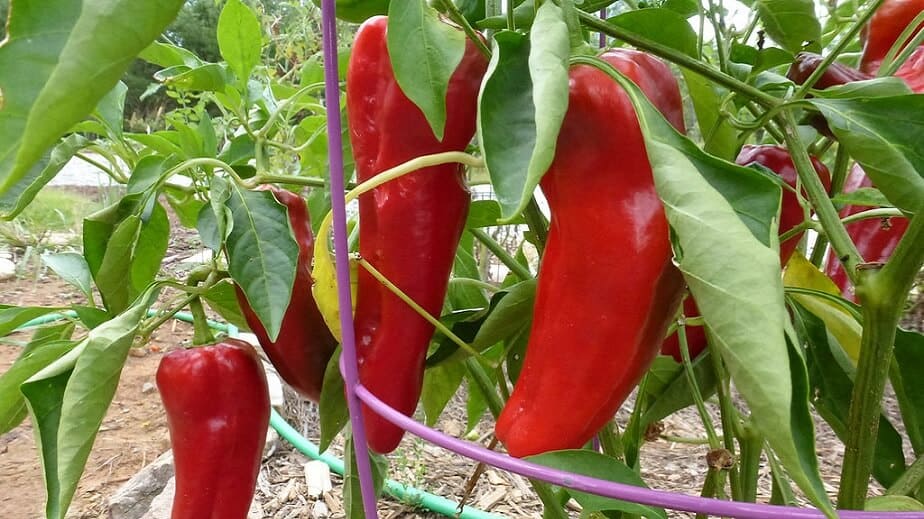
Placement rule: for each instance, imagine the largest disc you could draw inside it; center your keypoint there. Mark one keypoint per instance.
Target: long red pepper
(778, 160)
(607, 288)
(304, 344)
(409, 228)
(218, 409)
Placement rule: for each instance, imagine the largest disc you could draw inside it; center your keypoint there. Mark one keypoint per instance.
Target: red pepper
(778, 160)
(218, 408)
(886, 25)
(607, 287)
(836, 73)
(875, 238)
(304, 344)
(912, 71)
(409, 228)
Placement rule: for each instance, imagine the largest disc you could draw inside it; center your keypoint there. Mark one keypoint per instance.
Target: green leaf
(239, 38)
(21, 194)
(73, 268)
(893, 504)
(521, 106)
(150, 250)
(673, 392)
(596, 465)
(883, 135)
(332, 408)
(865, 196)
(733, 273)
(720, 137)
(110, 110)
(439, 385)
(791, 23)
(222, 298)
(262, 254)
(424, 53)
(30, 362)
(184, 204)
(166, 55)
(908, 385)
(475, 405)
(831, 389)
(211, 77)
(664, 26)
(146, 173)
(512, 313)
(461, 295)
(69, 398)
(16, 316)
(878, 87)
(59, 59)
(114, 276)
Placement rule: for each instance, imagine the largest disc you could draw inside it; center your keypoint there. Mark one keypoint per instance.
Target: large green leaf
(662, 25)
(424, 53)
(735, 278)
(674, 393)
(332, 408)
(59, 59)
(239, 38)
(21, 194)
(262, 254)
(30, 362)
(594, 464)
(521, 106)
(440, 383)
(791, 23)
(73, 268)
(719, 137)
(69, 398)
(884, 135)
(222, 298)
(15, 316)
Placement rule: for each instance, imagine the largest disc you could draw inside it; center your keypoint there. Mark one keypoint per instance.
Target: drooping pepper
(218, 408)
(304, 344)
(778, 160)
(409, 228)
(607, 288)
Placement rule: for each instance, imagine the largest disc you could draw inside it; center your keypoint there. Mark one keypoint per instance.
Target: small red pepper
(409, 228)
(218, 408)
(836, 73)
(607, 287)
(778, 160)
(304, 345)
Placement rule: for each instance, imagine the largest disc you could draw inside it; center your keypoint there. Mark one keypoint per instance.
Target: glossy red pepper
(607, 287)
(304, 344)
(218, 408)
(836, 73)
(886, 25)
(409, 228)
(778, 160)
(875, 238)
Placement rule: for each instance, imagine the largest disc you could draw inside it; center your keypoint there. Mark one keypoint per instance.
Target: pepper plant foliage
(788, 345)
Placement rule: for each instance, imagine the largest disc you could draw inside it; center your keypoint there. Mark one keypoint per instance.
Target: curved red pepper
(884, 28)
(304, 344)
(218, 409)
(607, 287)
(409, 228)
(778, 160)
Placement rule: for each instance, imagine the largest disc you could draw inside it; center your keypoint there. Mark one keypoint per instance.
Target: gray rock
(7, 269)
(135, 497)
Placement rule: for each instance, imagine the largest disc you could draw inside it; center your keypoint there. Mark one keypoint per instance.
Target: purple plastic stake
(603, 36)
(341, 254)
(605, 488)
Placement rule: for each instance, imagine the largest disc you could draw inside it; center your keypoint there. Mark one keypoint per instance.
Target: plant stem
(694, 386)
(440, 327)
(749, 463)
(882, 294)
(680, 59)
(824, 208)
(609, 440)
(509, 261)
(452, 11)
